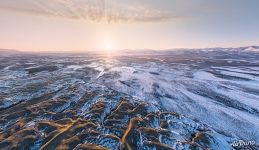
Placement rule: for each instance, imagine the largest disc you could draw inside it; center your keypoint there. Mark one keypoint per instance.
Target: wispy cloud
(90, 10)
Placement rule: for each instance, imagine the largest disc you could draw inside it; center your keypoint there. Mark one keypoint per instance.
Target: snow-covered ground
(226, 100)
(217, 87)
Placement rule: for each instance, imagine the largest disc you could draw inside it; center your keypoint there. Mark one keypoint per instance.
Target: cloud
(90, 10)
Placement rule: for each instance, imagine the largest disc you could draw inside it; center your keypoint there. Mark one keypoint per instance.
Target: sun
(108, 47)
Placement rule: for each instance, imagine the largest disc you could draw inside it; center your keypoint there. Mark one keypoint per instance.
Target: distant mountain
(191, 51)
(9, 51)
(251, 48)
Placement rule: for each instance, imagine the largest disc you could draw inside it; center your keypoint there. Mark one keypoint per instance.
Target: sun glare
(108, 47)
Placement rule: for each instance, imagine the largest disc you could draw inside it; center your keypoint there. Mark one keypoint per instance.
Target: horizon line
(126, 49)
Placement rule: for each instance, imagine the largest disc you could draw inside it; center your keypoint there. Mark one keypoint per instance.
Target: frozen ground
(217, 87)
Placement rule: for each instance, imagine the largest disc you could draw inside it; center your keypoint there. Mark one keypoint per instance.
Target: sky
(87, 25)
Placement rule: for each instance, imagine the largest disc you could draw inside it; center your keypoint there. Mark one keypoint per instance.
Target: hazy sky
(63, 25)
